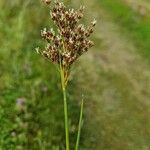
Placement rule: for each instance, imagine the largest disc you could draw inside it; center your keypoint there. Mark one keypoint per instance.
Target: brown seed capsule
(45, 54)
(71, 40)
(94, 23)
(47, 2)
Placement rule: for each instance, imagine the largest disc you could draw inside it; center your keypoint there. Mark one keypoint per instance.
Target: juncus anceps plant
(64, 46)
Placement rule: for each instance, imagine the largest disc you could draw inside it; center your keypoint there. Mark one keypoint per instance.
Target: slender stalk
(79, 127)
(65, 107)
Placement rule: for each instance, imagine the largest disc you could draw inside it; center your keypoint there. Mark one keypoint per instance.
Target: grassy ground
(114, 78)
(118, 108)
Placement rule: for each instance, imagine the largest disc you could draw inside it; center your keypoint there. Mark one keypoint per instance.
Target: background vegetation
(114, 78)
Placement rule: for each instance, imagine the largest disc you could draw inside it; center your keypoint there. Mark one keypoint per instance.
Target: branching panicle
(71, 40)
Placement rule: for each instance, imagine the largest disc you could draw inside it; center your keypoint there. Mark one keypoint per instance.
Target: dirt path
(117, 83)
(140, 6)
(120, 56)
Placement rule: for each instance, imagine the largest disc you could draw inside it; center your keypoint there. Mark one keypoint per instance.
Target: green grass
(115, 115)
(137, 27)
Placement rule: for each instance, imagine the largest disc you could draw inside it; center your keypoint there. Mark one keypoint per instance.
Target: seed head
(71, 40)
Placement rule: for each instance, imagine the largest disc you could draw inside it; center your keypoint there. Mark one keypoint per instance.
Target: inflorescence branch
(71, 39)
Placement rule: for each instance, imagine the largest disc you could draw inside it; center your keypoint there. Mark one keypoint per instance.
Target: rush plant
(65, 45)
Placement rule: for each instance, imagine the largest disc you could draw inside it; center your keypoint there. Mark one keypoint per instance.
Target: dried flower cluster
(70, 40)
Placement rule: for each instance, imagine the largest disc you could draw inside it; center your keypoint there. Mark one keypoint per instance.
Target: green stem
(65, 107)
(79, 127)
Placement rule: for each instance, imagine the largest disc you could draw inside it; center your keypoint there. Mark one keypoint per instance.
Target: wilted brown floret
(71, 40)
(47, 1)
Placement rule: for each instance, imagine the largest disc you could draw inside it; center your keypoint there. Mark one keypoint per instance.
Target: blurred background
(114, 77)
